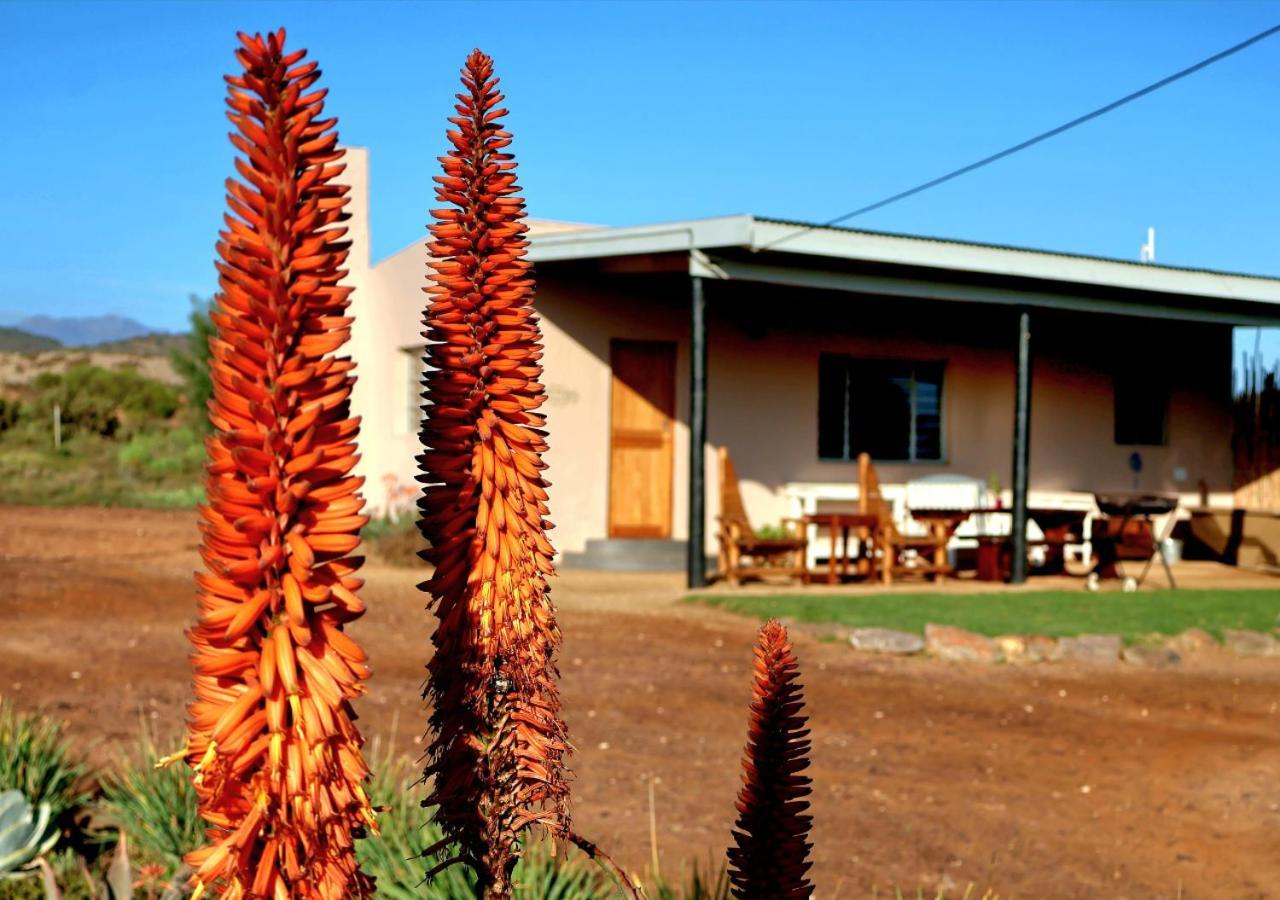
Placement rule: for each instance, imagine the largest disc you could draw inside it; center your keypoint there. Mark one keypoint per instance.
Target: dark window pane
(880, 410)
(831, 406)
(891, 410)
(1141, 407)
(929, 412)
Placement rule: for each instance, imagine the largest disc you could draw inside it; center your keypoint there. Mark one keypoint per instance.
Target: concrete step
(629, 555)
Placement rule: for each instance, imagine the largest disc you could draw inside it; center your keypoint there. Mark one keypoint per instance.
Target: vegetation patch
(90, 435)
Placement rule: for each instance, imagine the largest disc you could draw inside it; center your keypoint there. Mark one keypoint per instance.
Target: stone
(1019, 649)
(1040, 647)
(1013, 647)
(946, 642)
(1098, 649)
(1194, 641)
(1148, 657)
(1250, 643)
(885, 640)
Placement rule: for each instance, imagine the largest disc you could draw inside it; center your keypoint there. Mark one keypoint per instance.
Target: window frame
(849, 361)
(412, 369)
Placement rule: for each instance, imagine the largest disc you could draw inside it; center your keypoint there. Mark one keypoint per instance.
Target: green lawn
(1055, 613)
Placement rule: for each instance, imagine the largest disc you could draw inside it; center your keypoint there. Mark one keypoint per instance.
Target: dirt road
(1047, 782)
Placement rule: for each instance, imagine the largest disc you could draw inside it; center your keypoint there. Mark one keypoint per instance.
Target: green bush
(36, 760)
(101, 401)
(156, 808)
(395, 540)
(192, 362)
(10, 412)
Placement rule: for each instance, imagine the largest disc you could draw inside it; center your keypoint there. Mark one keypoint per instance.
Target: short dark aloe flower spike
(770, 856)
(497, 743)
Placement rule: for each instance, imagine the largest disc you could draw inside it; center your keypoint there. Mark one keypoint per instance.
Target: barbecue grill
(1126, 530)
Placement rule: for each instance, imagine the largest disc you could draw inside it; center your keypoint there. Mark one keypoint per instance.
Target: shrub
(155, 807)
(36, 760)
(10, 412)
(101, 401)
(394, 539)
(192, 362)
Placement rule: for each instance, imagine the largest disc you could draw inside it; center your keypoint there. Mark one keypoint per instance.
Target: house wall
(763, 391)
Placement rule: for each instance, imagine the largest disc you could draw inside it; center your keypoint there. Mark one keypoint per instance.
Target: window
(1141, 405)
(413, 366)
(889, 408)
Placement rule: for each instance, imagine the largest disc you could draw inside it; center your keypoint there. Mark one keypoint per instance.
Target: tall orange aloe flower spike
(770, 855)
(496, 758)
(278, 769)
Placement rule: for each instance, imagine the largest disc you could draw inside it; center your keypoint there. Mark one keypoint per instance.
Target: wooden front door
(641, 434)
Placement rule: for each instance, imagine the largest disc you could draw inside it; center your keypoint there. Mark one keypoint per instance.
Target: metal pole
(57, 426)
(697, 560)
(1021, 449)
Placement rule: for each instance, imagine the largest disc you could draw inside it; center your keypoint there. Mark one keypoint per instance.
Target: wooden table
(1057, 525)
(862, 524)
(942, 525)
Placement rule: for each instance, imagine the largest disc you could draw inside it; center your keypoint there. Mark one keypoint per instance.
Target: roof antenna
(1149, 248)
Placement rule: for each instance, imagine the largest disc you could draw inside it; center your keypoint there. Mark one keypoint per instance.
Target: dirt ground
(1050, 781)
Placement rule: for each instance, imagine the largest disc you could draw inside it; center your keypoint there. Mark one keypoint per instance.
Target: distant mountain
(85, 330)
(15, 340)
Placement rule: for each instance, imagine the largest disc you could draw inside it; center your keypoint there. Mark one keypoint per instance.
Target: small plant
(392, 858)
(711, 884)
(192, 361)
(772, 531)
(156, 807)
(26, 833)
(770, 856)
(36, 760)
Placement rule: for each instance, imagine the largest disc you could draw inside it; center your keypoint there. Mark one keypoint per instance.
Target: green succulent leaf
(25, 834)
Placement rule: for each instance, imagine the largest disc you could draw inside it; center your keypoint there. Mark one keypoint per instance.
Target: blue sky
(114, 143)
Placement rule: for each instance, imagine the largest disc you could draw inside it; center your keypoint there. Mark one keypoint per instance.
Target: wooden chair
(743, 553)
(892, 546)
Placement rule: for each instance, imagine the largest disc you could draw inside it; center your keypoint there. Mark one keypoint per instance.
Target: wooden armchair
(892, 546)
(744, 554)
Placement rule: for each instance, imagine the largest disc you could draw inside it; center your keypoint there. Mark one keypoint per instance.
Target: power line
(1044, 136)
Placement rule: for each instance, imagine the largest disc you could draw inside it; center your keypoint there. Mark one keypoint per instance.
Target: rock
(1040, 647)
(1147, 657)
(1250, 643)
(885, 640)
(946, 642)
(1099, 649)
(1193, 641)
(1032, 648)
(1013, 647)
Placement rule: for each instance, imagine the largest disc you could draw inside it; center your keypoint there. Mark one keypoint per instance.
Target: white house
(798, 346)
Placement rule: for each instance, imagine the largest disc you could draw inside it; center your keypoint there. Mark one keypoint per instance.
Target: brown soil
(1049, 781)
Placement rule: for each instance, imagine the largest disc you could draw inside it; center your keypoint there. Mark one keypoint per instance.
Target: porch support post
(1021, 449)
(697, 559)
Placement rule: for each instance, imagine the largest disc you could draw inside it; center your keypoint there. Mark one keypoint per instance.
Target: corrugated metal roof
(815, 226)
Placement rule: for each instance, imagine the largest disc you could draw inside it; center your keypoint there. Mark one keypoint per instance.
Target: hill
(83, 331)
(15, 340)
(155, 343)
